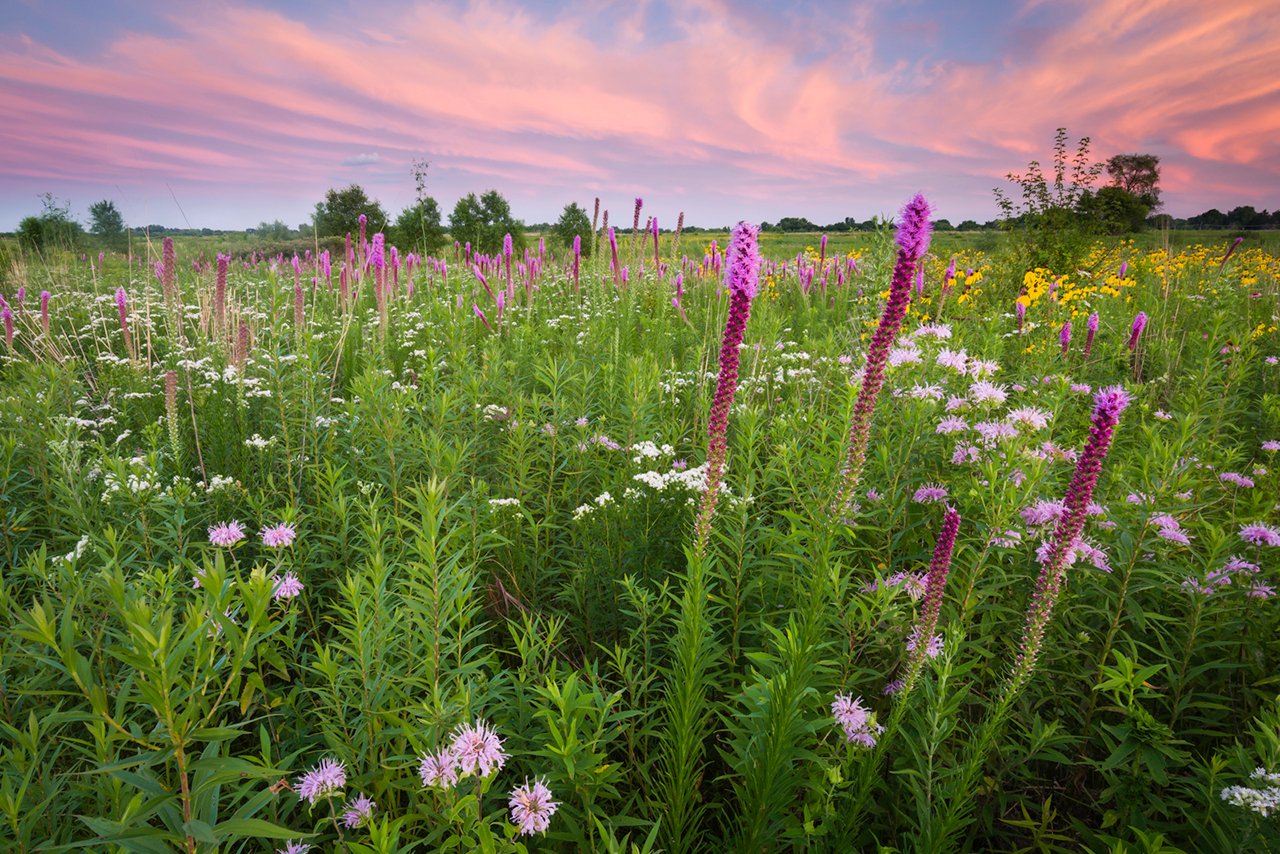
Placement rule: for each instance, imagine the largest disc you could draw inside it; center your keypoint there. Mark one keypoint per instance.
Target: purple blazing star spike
(913, 240)
(44, 311)
(1064, 337)
(1124, 268)
(1108, 405)
(742, 273)
(1092, 330)
(914, 230)
(6, 314)
(1020, 309)
(1139, 324)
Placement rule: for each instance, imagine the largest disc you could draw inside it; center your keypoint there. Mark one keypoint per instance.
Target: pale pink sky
(225, 114)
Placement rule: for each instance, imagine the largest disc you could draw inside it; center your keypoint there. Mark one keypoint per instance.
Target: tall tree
(340, 211)
(1138, 174)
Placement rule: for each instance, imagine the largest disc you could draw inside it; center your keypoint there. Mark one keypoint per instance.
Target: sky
(226, 114)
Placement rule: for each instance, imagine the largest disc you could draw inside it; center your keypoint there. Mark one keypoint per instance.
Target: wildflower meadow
(649, 542)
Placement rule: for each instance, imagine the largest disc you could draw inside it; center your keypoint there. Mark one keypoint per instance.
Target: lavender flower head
(477, 749)
(439, 769)
(294, 848)
(532, 807)
(377, 255)
(286, 587)
(278, 536)
(358, 810)
(1064, 337)
(857, 721)
(324, 780)
(226, 534)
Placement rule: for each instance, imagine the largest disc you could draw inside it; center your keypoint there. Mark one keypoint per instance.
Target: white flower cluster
(647, 450)
(256, 441)
(498, 503)
(1262, 801)
(600, 500)
(78, 552)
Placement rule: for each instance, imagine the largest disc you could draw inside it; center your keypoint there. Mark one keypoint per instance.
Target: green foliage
(53, 228)
(1115, 210)
(106, 222)
(485, 222)
(1052, 232)
(418, 228)
(1138, 174)
(492, 524)
(339, 213)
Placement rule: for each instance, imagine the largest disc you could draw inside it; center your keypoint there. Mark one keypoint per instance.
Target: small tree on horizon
(573, 222)
(106, 222)
(484, 222)
(339, 213)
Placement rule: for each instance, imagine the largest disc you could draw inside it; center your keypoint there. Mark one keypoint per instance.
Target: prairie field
(667, 546)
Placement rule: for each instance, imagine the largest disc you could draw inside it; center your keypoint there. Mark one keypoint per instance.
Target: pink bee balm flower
(532, 807)
(857, 721)
(286, 587)
(358, 810)
(439, 769)
(294, 848)
(1260, 534)
(477, 749)
(278, 536)
(930, 493)
(226, 534)
(324, 780)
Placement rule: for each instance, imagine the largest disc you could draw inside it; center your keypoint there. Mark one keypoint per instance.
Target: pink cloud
(495, 92)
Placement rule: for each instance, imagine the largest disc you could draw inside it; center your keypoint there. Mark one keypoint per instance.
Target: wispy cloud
(363, 159)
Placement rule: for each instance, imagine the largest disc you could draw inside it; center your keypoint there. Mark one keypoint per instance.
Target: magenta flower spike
(1108, 405)
(613, 249)
(935, 583)
(7, 315)
(1092, 330)
(44, 312)
(480, 314)
(220, 292)
(657, 258)
(1139, 324)
(1020, 309)
(577, 258)
(913, 242)
(1064, 337)
(742, 277)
